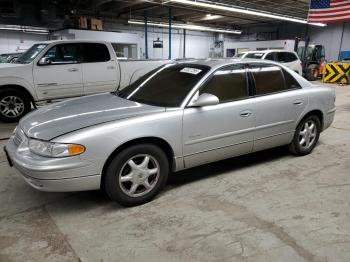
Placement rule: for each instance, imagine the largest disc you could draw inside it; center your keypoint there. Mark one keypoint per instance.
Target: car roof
(71, 41)
(217, 63)
(269, 50)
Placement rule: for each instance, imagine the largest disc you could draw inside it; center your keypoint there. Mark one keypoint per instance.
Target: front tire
(312, 72)
(306, 136)
(136, 175)
(13, 105)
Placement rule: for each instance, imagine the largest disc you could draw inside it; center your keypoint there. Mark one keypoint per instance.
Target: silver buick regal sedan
(176, 117)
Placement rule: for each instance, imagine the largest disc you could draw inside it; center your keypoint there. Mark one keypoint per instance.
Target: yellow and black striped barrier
(336, 73)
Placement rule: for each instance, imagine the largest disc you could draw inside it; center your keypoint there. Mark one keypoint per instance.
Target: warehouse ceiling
(157, 10)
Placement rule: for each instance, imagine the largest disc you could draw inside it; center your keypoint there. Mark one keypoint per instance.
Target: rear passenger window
(228, 83)
(268, 79)
(94, 52)
(291, 57)
(291, 82)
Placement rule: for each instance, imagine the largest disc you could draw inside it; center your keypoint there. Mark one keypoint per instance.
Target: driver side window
(64, 54)
(228, 83)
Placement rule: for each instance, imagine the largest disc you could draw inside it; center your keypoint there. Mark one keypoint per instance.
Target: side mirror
(45, 61)
(205, 100)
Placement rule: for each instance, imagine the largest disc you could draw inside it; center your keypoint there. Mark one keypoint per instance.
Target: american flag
(328, 11)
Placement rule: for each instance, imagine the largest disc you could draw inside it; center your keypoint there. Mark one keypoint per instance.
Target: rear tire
(14, 105)
(136, 175)
(306, 136)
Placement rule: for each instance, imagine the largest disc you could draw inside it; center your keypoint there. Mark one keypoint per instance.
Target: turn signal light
(74, 149)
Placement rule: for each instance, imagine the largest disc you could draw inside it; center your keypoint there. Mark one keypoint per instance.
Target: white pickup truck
(61, 69)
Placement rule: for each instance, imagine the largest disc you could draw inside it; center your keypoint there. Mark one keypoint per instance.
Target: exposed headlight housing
(51, 149)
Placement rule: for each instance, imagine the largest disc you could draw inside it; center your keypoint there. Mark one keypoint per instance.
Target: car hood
(10, 65)
(60, 118)
(14, 70)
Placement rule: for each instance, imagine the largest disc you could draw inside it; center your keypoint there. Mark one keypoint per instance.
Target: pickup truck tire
(136, 174)
(14, 104)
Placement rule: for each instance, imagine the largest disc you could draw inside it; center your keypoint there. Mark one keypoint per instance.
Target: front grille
(18, 137)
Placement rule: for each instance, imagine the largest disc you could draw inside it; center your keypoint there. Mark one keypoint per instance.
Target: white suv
(287, 58)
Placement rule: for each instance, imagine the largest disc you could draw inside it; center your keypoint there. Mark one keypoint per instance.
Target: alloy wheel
(139, 175)
(307, 134)
(11, 106)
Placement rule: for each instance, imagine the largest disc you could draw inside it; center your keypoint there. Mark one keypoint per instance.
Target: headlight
(50, 149)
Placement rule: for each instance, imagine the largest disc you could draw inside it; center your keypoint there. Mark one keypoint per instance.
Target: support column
(184, 51)
(169, 33)
(146, 36)
(341, 40)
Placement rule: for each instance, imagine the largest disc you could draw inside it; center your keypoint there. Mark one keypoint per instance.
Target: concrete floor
(268, 206)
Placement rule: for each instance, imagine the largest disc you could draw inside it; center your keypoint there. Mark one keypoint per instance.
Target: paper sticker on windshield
(190, 70)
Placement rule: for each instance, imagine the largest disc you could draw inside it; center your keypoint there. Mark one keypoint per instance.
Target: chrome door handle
(73, 69)
(298, 102)
(245, 113)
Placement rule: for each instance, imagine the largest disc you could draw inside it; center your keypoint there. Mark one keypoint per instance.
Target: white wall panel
(330, 37)
(15, 42)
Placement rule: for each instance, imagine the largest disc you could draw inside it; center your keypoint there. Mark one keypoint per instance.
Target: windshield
(313, 53)
(254, 55)
(30, 54)
(166, 86)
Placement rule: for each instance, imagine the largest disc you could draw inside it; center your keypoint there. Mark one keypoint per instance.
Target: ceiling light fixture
(186, 26)
(25, 29)
(235, 9)
(211, 17)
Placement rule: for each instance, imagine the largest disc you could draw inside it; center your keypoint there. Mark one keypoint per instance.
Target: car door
(99, 69)
(278, 102)
(60, 74)
(220, 131)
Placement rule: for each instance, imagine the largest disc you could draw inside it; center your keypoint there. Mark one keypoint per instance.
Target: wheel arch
(315, 112)
(18, 88)
(161, 143)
